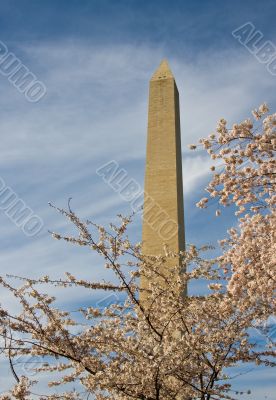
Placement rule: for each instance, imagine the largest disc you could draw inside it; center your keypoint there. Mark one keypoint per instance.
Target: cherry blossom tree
(172, 347)
(246, 178)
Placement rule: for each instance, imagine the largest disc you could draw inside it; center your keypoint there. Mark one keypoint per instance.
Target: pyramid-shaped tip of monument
(163, 71)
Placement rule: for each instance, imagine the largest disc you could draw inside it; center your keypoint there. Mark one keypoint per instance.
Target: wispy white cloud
(97, 100)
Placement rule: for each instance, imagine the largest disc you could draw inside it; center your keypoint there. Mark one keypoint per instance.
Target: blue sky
(95, 59)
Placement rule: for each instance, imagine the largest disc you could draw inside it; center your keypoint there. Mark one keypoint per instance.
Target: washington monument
(163, 219)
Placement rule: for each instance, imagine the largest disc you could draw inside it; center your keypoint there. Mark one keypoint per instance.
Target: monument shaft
(163, 219)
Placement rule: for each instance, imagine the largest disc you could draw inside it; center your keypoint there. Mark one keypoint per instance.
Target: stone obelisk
(163, 216)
